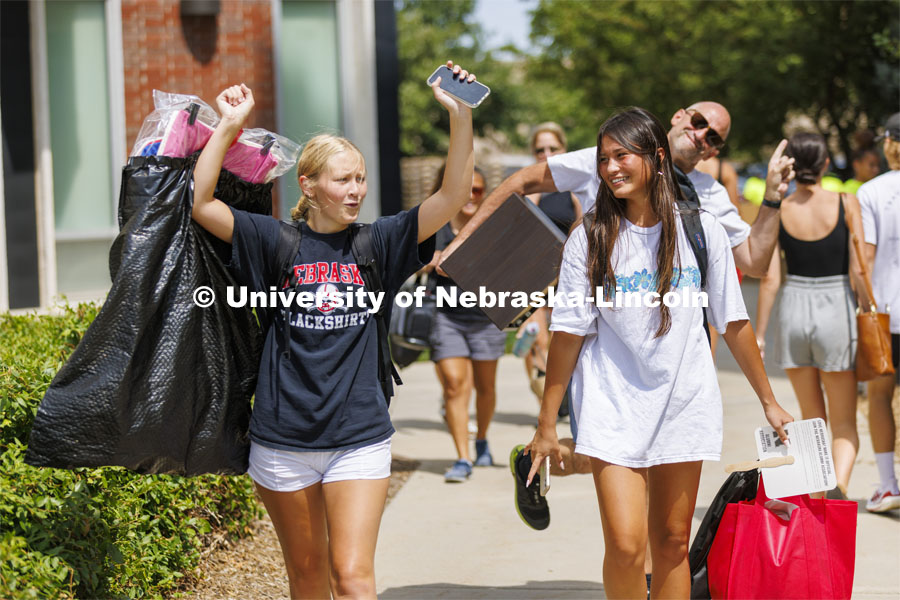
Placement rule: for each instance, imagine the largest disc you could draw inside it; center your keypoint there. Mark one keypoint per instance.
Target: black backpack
(740, 486)
(363, 249)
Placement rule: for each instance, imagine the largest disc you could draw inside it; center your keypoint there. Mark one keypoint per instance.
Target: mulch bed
(253, 567)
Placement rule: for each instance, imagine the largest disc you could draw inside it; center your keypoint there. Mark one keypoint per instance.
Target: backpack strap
(693, 229)
(363, 248)
(689, 209)
(286, 250)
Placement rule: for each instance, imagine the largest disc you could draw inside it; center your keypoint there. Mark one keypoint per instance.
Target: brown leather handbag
(873, 342)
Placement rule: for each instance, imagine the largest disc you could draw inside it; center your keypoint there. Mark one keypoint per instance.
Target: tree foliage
(833, 61)
(428, 34)
(837, 62)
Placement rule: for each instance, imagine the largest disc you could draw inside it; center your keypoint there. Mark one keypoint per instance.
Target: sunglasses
(698, 121)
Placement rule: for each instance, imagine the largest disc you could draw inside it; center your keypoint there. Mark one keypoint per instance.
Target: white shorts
(286, 471)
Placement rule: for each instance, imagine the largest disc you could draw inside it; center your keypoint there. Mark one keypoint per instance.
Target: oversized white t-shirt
(576, 172)
(639, 400)
(879, 200)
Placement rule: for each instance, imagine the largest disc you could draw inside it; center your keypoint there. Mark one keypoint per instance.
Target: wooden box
(517, 249)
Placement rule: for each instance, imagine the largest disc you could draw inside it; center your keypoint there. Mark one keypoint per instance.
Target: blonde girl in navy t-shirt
(320, 430)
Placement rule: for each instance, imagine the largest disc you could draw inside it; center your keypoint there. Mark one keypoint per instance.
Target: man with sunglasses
(697, 133)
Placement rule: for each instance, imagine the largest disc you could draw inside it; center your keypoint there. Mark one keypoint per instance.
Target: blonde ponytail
(301, 211)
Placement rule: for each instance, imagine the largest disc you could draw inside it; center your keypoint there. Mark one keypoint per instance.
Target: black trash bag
(740, 486)
(157, 384)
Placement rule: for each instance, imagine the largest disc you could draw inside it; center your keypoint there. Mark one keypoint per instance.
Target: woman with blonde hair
(563, 209)
(320, 430)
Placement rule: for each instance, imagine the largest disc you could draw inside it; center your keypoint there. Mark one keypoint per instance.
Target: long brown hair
(638, 131)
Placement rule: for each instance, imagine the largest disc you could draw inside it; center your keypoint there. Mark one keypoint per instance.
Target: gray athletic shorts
(816, 324)
(453, 336)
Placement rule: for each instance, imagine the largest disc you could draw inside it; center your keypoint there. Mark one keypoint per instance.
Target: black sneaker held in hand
(531, 506)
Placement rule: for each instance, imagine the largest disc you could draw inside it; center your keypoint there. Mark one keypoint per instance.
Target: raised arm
(768, 288)
(754, 255)
(529, 180)
(234, 104)
(456, 186)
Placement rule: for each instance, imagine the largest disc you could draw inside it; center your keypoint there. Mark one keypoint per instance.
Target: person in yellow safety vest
(832, 184)
(754, 190)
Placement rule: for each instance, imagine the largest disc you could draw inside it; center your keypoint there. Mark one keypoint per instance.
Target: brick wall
(196, 55)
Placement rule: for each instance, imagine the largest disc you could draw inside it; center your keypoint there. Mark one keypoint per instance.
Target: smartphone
(545, 476)
(471, 94)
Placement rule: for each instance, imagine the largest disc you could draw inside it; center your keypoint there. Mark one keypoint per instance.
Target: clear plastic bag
(259, 156)
(181, 124)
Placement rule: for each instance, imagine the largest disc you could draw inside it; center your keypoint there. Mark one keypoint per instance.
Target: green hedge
(93, 533)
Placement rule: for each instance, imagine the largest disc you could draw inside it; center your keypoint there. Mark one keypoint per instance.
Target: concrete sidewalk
(462, 541)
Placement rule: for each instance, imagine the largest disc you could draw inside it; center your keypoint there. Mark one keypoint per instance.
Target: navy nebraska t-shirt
(326, 396)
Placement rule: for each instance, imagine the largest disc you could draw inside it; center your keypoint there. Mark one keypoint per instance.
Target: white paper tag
(813, 468)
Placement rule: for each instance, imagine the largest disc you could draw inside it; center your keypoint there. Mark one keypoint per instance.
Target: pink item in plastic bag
(183, 138)
(249, 161)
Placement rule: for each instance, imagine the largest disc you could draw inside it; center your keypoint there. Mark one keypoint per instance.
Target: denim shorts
(289, 471)
(816, 324)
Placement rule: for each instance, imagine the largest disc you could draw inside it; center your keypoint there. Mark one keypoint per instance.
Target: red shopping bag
(760, 554)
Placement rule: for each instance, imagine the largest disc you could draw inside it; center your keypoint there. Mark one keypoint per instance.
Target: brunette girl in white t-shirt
(644, 386)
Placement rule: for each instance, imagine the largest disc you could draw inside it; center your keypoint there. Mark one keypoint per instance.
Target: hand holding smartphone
(471, 94)
(545, 476)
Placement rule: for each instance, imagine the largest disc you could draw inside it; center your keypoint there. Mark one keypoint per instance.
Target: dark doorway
(388, 81)
(18, 156)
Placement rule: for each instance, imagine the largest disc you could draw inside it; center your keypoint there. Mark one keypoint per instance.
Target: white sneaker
(883, 501)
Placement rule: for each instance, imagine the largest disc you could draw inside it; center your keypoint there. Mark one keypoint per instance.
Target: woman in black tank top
(815, 341)
(548, 139)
